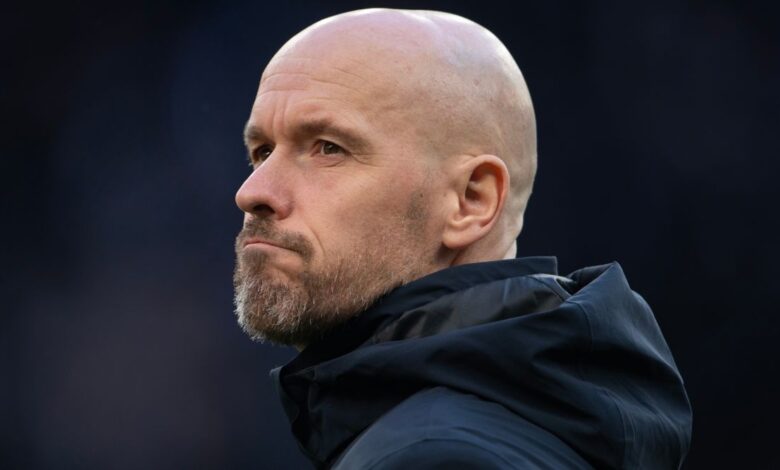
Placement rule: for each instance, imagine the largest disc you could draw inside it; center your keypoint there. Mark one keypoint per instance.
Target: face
(337, 205)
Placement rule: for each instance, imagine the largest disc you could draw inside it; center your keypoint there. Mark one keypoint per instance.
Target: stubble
(300, 310)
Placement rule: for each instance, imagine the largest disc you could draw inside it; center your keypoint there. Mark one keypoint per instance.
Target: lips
(261, 233)
(261, 241)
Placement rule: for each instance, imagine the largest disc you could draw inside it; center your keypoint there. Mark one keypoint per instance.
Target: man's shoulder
(443, 428)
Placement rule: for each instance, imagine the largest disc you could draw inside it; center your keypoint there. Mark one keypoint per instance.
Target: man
(393, 156)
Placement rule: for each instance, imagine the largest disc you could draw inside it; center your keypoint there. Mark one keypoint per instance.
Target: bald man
(393, 154)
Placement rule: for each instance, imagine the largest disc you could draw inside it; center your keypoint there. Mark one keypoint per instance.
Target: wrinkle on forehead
(296, 64)
(299, 81)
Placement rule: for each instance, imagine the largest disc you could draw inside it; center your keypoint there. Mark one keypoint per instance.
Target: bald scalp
(448, 81)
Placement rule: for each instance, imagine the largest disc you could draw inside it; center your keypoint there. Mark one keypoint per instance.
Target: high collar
(412, 295)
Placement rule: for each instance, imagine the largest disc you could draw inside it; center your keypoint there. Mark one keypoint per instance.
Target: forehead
(299, 72)
(331, 86)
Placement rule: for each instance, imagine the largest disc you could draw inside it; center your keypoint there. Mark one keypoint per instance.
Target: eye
(329, 148)
(261, 153)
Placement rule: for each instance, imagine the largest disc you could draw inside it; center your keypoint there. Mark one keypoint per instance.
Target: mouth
(261, 242)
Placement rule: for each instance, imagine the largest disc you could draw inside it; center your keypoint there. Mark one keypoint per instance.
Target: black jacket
(493, 365)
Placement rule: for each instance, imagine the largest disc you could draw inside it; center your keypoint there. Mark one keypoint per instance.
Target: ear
(482, 185)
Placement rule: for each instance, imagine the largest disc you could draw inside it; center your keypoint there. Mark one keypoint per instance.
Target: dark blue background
(121, 152)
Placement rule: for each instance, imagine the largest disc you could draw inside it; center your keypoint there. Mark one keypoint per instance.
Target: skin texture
(386, 145)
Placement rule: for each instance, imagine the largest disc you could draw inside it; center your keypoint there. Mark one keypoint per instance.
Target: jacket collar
(293, 381)
(412, 295)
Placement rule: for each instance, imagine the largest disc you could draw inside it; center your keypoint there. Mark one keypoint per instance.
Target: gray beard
(302, 312)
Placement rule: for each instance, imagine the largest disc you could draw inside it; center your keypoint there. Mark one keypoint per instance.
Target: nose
(267, 191)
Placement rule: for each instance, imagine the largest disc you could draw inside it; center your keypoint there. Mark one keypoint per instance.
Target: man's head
(385, 145)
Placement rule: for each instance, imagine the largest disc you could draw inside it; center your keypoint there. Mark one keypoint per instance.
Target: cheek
(344, 209)
(351, 194)
(338, 212)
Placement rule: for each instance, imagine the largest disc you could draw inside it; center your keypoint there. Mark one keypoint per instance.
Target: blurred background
(122, 151)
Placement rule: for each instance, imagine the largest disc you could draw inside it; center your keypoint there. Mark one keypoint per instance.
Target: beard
(301, 310)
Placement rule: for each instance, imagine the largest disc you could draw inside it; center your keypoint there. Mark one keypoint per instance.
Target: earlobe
(482, 188)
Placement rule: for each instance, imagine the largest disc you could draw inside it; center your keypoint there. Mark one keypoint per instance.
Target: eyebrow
(314, 127)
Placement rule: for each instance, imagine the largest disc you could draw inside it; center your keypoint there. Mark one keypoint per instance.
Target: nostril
(263, 209)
